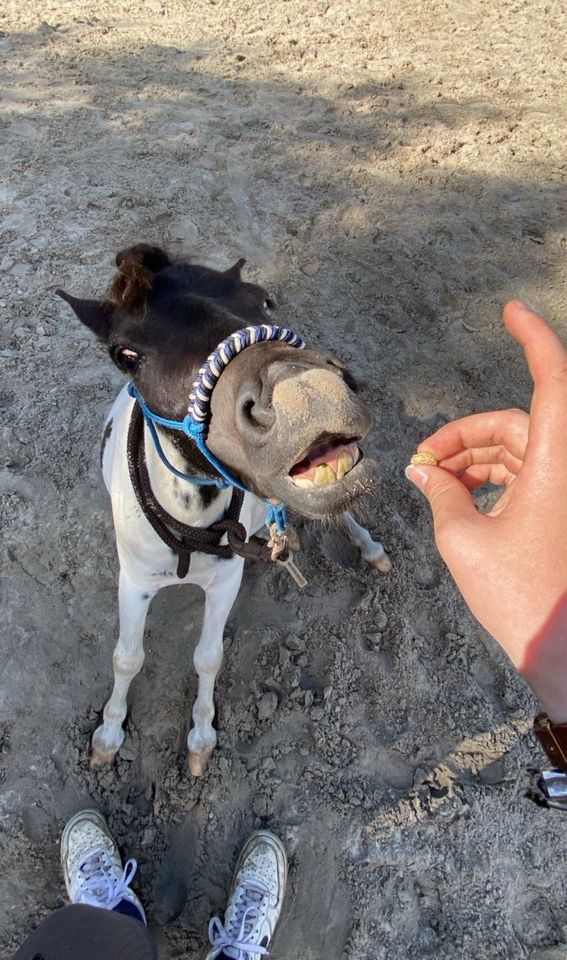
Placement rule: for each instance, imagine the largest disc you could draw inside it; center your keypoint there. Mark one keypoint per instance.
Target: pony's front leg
(370, 550)
(133, 602)
(220, 595)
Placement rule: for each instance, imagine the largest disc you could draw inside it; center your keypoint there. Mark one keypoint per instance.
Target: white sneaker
(255, 900)
(92, 867)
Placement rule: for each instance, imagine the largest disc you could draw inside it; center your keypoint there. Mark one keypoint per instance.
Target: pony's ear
(95, 314)
(234, 272)
(137, 267)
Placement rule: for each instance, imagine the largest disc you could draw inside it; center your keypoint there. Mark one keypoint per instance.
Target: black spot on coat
(105, 436)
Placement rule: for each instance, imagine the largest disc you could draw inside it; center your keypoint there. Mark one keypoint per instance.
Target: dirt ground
(394, 172)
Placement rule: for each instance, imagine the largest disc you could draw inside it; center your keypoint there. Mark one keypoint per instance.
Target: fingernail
(416, 475)
(526, 306)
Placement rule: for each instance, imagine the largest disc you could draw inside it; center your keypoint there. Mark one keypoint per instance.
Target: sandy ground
(394, 172)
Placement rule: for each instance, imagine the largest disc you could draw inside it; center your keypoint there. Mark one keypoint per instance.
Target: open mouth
(326, 463)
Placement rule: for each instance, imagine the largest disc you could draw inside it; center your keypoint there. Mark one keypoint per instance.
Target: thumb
(449, 499)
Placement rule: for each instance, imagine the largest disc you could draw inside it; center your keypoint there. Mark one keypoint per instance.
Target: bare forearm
(544, 665)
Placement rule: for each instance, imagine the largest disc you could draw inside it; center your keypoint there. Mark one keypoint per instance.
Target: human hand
(511, 563)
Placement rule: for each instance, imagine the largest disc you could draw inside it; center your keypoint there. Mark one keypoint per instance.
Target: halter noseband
(195, 424)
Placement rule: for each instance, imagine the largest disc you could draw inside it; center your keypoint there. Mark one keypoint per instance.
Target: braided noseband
(203, 386)
(195, 424)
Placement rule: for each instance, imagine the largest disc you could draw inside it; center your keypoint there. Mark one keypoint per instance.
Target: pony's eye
(268, 304)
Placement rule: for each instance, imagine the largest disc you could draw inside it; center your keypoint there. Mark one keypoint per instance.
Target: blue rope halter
(195, 424)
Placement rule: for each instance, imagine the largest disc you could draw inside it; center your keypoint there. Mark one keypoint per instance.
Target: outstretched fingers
(547, 360)
(498, 459)
(505, 430)
(480, 474)
(545, 353)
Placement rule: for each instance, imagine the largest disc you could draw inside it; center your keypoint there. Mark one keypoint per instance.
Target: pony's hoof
(381, 563)
(98, 759)
(101, 753)
(197, 762)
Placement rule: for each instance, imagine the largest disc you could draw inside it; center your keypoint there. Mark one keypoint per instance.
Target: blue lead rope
(195, 423)
(184, 426)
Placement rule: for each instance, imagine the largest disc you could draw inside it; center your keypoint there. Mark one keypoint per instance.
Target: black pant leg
(79, 932)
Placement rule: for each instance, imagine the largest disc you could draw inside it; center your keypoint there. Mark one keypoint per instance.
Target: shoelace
(101, 889)
(237, 937)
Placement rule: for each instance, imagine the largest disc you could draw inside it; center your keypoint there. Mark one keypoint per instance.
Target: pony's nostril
(248, 409)
(254, 411)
